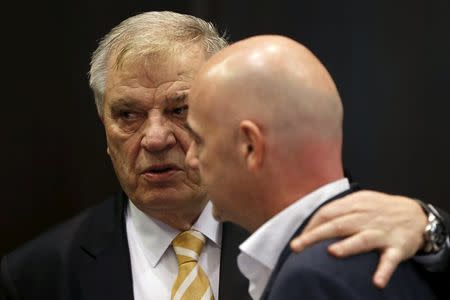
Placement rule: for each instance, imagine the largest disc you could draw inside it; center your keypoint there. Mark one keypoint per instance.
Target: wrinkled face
(144, 116)
(214, 152)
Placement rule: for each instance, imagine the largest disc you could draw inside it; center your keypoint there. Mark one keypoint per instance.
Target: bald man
(270, 113)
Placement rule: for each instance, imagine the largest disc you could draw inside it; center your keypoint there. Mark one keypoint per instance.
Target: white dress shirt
(154, 265)
(260, 252)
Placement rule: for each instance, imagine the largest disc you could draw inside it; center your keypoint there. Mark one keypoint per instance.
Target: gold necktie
(192, 282)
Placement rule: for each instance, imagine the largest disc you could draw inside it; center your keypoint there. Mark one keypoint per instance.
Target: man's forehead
(167, 79)
(198, 112)
(182, 58)
(152, 74)
(132, 82)
(193, 113)
(200, 95)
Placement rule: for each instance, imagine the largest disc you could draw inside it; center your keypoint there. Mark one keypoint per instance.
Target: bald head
(277, 109)
(275, 81)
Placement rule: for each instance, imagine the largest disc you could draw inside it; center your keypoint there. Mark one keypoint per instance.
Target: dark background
(390, 60)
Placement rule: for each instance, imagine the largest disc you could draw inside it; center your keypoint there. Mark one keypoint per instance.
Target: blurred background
(390, 61)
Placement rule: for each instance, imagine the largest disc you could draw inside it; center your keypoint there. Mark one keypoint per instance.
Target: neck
(178, 218)
(288, 193)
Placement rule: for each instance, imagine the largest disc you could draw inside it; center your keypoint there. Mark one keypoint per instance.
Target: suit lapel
(106, 273)
(232, 284)
(287, 250)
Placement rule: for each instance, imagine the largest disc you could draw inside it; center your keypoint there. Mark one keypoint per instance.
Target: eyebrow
(121, 102)
(180, 97)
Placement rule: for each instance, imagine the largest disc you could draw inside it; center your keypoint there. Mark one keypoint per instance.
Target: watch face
(435, 234)
(440, 233)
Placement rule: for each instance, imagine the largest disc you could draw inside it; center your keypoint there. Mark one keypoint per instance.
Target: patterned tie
(192, 282)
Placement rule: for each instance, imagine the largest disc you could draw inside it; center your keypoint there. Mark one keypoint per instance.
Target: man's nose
(158, 135)
(191, 156)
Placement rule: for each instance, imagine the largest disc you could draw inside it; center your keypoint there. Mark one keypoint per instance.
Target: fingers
(339, 227)
(390, 224)
(367, 241)
(331, 211)
(389, 261)
(362, 242)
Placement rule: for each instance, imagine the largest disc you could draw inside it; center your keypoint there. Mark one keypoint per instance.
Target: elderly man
(268, 110)
(157, 239)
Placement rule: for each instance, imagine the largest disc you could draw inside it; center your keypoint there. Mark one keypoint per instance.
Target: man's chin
(169, 198)
(217, 214)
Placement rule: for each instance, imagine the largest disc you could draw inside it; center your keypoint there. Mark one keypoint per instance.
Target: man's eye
(180, 110)
(196, 140)
(127, 115)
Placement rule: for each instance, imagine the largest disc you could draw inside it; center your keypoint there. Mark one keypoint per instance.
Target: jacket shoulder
(317, 274)
(56, 244)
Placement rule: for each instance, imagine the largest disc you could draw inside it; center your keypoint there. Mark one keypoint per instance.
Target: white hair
(155, 32)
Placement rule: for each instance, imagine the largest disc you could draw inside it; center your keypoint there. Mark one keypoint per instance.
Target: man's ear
(100, 116)
(251, 144)
(101, 119)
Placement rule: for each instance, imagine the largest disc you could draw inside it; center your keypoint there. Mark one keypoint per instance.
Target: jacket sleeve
(436, 267)
(446, 218)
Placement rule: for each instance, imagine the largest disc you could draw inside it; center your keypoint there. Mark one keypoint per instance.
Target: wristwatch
(435, 233)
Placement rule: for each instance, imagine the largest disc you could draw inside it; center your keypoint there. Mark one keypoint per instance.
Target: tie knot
(188, 245)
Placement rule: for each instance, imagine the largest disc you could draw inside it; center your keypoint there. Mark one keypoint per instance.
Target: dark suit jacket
(88, 258)
(314, 274)
(440, 281)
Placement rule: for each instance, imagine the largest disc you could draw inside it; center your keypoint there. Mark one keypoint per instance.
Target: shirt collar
(209, 226)
(155, 236)
(276, 232)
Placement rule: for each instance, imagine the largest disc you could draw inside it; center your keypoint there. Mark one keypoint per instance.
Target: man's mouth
(162, 172)
(160, 169)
